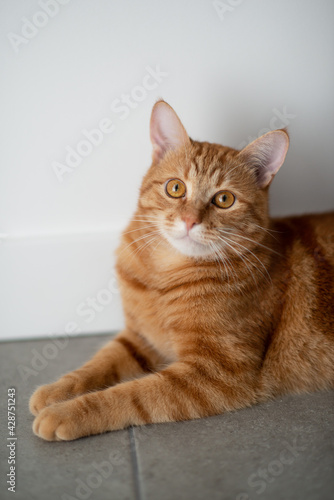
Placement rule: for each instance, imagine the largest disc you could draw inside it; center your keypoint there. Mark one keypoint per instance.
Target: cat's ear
(266, 154)
(166, 130)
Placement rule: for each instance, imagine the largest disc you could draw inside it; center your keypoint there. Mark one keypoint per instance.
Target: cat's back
(300, 350)
(305, 276)
(309, 236)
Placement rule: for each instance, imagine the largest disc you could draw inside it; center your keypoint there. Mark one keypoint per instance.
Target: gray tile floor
(279, 450)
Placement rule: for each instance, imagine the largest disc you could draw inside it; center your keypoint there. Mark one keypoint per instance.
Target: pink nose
(190, 221)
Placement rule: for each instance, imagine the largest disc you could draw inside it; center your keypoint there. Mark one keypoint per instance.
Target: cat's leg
(125, 357)
(179, 392)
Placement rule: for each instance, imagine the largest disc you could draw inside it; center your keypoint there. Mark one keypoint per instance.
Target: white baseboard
(58, 284)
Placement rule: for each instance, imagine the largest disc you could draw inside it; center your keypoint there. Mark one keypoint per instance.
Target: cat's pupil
(224, 198)
(175, 188)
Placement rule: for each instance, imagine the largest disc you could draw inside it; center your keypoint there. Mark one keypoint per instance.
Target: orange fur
(247, 316)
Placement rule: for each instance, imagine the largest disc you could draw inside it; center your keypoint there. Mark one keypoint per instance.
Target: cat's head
(205, 198)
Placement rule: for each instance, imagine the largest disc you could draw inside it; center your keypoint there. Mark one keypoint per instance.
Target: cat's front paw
(69, 420)
(57, 423)
(49, 394)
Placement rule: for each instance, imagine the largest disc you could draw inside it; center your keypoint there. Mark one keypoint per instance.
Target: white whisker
(242, 257)
(216, 257)
(226, 261)
(147, 215)
(146, 244)
(265, 229)
(145, 220)
(138, 229)
(248, 250)
(249, 239)
(147, 235)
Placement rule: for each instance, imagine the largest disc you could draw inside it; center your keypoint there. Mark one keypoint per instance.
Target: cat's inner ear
(167, 131)
(266, 154)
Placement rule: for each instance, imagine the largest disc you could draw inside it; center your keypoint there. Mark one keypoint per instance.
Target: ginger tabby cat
(224, 306)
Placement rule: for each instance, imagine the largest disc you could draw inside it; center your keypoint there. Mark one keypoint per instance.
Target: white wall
(228, 74)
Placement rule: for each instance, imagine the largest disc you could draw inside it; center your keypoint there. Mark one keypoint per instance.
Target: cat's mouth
(188, 239)
(188, 245)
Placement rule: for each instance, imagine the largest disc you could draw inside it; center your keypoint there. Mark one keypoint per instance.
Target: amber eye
(175, 188)
(223, 199)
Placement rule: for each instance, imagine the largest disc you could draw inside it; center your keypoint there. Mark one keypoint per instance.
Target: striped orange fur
(224, 306)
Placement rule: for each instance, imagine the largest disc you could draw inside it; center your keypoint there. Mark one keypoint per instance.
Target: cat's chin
(189, 247)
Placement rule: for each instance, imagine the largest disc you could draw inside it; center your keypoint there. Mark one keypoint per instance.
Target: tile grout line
(135, 465)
